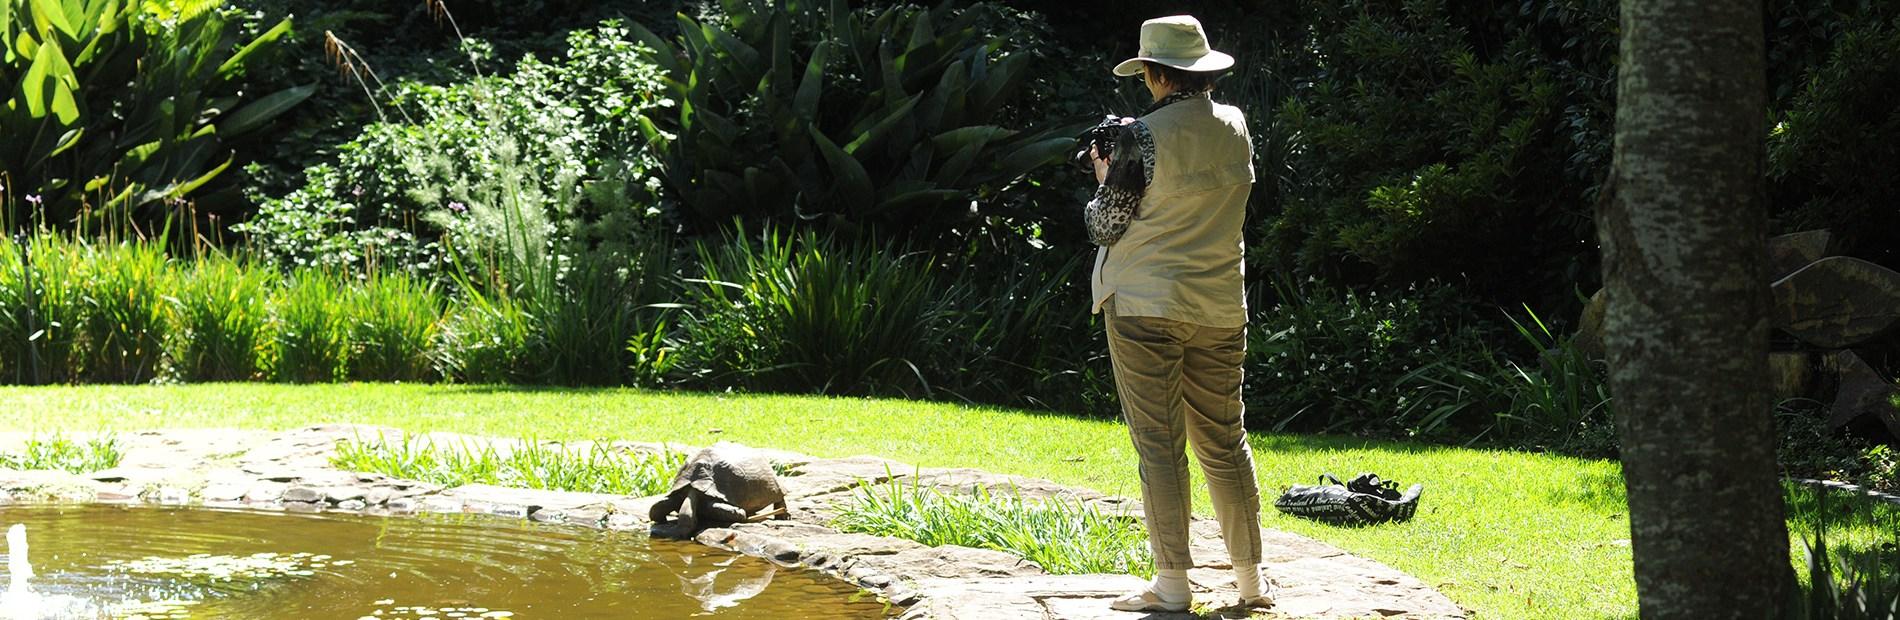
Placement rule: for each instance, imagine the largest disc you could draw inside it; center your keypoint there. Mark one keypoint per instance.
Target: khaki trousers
(1178, 382)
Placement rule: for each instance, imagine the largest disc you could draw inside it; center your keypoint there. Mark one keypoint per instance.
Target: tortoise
(728, 483)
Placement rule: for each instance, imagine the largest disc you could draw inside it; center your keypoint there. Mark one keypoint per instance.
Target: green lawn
(1505, 534)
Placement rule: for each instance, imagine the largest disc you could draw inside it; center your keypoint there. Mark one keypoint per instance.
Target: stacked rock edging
(291, 471)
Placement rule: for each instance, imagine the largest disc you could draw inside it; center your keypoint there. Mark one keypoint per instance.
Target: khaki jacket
(1181, 256)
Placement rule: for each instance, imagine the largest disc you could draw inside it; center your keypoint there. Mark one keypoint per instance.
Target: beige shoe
(1259, 602)
(1146, 600)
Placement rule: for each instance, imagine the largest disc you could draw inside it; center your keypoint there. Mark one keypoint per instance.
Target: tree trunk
(1686, 330)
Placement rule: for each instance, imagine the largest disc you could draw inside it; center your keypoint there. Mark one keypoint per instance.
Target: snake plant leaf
(264, 41)
(1031, 157)
(961, 138)
(923, 198)
(999, 85)
(811, 87)
(50, 15)
(958, 165)
(48, 86)
(660, 51)
(851, 184)
(921, 33)
(267, 108)
(875, 134)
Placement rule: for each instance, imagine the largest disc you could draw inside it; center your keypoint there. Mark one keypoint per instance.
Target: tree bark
(1686, 330)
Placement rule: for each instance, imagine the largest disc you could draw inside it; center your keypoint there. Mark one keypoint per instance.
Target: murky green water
(126, 562)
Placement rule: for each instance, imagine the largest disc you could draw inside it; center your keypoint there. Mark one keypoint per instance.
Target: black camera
(1101, 137)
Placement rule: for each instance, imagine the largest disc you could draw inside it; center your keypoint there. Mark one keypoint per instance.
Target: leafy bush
(1560, 401)
(42, 309)
(1025, 336)
(548, 149)
(123, 105)
(1830, 155)
(1424, 149)
(485, 340)
(1326, 359)
(1064, 536)
(128, 312)
(223, 316)
(884, 118)
(310, 328)
(394, 320)
(804, 313)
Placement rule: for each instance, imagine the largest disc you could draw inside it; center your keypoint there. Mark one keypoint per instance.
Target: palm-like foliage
(887, 118)
(123, 104)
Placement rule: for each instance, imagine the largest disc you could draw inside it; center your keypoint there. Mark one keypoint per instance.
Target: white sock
(1171, 585)
(1247, 578)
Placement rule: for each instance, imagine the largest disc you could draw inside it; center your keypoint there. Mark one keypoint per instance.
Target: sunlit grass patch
(1063, 535)
(65, 455)
(532, 465)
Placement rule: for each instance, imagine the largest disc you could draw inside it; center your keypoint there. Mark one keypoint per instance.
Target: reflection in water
(118, 562)
(703, 585)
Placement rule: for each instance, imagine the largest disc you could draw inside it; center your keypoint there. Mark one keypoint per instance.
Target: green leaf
(1032, 156)
(263, 41)
(849, 180)
(1001, 82)
(811, 87)
(964, 137)
(48, 86)
(258, 113)
(51, 14)
(876, 133)
(663, 52)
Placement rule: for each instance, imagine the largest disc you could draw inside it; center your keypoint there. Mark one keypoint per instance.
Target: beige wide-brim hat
(1177, 41)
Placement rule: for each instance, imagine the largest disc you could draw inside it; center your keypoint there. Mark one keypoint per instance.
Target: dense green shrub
(1833, 152)
(547, 150)
(804, 313)
(1025, 335)
(124, 105)
(1325, 359)
(485, 340)
(128, 312)
(42, 305)
(222, 317)
(394, 319)
(1558, 400)
(1423, 148)
(310, 328)
(881, 117)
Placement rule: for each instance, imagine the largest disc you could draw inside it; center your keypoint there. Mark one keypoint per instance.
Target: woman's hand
(1101, 164)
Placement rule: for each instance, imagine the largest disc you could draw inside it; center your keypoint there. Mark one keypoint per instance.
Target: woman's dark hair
(1183, 80)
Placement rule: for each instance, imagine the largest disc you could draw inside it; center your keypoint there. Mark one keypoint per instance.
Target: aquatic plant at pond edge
(532, 464)
(65, 455)
(1065, 536)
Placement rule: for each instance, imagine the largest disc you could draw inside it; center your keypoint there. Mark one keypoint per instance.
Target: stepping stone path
(291, 471)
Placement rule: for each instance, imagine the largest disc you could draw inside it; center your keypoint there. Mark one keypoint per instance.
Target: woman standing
(1168, 277)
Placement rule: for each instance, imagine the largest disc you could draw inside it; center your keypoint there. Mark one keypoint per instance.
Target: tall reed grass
(807, 313)
(128, 312)
(393, 322)
(310, 330)
(42, 305)
(223, 316)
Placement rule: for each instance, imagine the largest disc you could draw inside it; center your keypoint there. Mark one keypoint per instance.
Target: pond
(132, 562)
